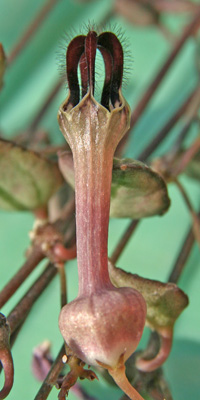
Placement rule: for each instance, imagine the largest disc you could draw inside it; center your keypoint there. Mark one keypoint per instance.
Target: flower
(103, 325)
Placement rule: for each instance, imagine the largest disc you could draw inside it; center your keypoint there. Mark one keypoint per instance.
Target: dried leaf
(2, 64)
(137, 191)
(27, 179)
(165, 301)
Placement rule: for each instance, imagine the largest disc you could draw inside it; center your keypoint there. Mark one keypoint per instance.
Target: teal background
(153, 249)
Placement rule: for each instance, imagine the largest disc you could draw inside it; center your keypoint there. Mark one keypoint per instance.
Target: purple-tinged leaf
(27, 179)
(165, 302)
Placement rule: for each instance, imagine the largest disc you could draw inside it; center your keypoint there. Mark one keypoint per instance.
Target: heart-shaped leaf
(2, 64)
(27, 179)
(136, 192)
(165, 302)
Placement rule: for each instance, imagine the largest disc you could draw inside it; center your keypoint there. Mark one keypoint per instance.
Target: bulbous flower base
(104, 325)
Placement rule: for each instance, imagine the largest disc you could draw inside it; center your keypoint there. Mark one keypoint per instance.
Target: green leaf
(2, 64)
(27, 179)
(136, 192)
(165, 301)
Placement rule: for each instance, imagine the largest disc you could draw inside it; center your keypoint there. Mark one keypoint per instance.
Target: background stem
(33, 27)
(32, 261)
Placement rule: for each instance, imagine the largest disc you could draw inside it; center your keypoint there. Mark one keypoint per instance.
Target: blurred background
(34, 36)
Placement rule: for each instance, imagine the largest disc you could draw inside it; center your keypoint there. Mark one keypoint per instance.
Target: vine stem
(156, 141)
(144, 101)
(36, 255)
(32, 261)
(52, 376)
(63, 285)
(38, 117)
(21, 310)
(32, 28)
(182, 257)
(187, 157)
(195, 219)
(193, 97)
(123, 241)
(189, 30)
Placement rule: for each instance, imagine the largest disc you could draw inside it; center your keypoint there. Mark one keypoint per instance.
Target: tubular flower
(103, 325)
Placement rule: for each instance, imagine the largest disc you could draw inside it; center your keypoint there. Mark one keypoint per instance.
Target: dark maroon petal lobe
(110, 42)
(84, 74)
(74, 52)
(90, 53)
(82, 52)
(108, 61)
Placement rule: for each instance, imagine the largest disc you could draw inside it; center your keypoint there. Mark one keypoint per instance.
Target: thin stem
(196, 222)
(52, 376)
(194, 96)
(183, 133)
(148, 365)
(123, 241)
(189, 30)
(18, 315)
(21, 310)
(187, 157)
(143, 156)
(182, 257)
(144, 101)
(152, 146)
(121, 380)
(33, 260)
(32, 28)
(34, 124)
(37, 254)
(63, 285)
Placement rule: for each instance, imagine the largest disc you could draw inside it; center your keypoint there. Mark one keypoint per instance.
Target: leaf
(165, 301)
(136, 192)
(27, 179)
(2, 64)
